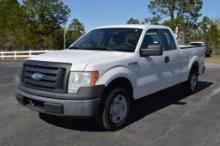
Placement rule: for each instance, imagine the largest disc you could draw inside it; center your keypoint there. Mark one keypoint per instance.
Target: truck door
(150, 77)
(171, 68)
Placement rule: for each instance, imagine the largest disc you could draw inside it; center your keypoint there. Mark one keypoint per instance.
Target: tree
(154, 20)
(133, 21)
(33, 24)
(44, 19)
(204, 27)
(74, 31)
(77, 26)
(11, 25)
(218, 23)
(213, 36)
(174, 11)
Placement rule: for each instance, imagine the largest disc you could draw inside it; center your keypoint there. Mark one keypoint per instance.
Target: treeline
(186, 16)
(36, 24)
(39, 24)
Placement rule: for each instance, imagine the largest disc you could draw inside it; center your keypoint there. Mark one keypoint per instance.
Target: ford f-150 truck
(105, 70)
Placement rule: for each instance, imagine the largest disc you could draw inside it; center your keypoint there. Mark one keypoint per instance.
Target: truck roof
(138, 26)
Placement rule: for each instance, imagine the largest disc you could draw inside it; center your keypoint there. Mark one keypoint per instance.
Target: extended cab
(105, 70)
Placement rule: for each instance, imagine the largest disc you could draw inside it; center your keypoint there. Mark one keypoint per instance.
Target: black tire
(192, 82)
(104, 118)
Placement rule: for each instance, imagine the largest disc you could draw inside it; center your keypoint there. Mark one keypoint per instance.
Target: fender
(193, 60)
(117, 72)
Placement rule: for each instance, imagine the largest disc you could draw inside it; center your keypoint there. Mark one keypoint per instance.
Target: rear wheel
(114, 109)
(191, 84)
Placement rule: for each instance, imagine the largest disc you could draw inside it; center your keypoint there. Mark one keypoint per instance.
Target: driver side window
(152, 37)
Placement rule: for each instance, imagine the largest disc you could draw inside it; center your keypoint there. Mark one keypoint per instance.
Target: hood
(78, 58)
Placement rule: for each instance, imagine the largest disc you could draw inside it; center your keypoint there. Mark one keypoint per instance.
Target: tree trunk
(172, 9)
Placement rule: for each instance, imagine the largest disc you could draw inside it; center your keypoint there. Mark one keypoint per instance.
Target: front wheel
(114, 109)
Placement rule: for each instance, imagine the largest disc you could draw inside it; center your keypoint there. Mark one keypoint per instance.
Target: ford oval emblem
(37, 76)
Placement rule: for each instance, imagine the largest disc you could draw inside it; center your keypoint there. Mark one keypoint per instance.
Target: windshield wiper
(104, 48)
(98, 48)
(73, 47)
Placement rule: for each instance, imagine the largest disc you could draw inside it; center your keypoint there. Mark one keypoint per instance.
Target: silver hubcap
(193, 82)
(118, 109)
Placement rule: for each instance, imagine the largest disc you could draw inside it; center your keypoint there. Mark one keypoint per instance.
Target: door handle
(167, 59)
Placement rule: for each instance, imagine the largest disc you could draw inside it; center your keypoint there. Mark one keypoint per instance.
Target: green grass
(215, 59)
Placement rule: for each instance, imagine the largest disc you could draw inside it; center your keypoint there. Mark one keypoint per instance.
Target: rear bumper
(84, 107)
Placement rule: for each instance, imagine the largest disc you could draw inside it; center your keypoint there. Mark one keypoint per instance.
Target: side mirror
(152, 50)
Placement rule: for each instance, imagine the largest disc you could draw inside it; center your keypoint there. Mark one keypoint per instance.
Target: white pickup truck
(105, 70)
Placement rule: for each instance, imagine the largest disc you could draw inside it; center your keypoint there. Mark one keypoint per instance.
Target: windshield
(110, 39)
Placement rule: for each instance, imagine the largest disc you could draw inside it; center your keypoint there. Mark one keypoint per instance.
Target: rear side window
(152, 37)
(168, 40)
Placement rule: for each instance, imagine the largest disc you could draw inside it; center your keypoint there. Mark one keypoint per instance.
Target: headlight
(81, 79)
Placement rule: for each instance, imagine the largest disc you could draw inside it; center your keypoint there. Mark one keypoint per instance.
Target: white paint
(146, 74)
